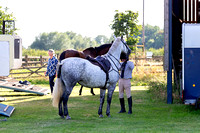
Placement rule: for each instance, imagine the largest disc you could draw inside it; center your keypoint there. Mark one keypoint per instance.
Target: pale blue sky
(86, 17)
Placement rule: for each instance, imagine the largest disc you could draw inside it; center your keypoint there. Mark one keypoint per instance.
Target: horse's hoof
(62, 117)
(68, 117)
(109, 116)
(79, 94)
(93, 94)
(100, 116)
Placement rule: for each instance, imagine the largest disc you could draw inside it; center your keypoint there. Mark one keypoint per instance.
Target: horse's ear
(114, 37)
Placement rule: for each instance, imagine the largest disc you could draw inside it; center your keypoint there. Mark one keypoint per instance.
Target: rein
(113, 61)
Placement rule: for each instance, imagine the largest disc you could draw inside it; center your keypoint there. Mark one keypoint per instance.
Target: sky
(86, 17)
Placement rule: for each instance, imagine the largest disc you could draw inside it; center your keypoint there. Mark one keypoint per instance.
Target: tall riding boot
(130, 103)
(123, 110)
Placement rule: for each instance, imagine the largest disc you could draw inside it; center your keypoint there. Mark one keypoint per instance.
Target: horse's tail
(58, 88)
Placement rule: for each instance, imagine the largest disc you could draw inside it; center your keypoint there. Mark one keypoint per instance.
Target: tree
(61, 41)
(4, 15)
(101, 39)
(126, 24)
(154, 37)
(52, 40)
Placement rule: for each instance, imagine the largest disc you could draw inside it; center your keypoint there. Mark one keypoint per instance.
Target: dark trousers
(51, 82)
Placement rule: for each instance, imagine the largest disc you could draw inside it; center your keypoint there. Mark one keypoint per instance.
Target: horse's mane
(103, 46)
(90, 48)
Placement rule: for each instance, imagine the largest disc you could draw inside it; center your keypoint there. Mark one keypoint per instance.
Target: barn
(181, 18)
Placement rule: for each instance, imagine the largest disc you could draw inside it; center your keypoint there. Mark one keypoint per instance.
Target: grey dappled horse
(79, 70)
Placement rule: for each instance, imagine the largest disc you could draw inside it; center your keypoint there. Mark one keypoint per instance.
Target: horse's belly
(93, 78)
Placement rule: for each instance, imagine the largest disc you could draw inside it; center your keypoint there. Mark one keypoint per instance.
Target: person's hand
(45, 73)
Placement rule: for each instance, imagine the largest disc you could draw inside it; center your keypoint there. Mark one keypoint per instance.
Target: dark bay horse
(91, 51)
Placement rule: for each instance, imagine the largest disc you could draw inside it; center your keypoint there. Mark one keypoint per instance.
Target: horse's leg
(60, 108)
(80, 91)
(109, 98)
(92, 91)
(65, 100)
(102, 97)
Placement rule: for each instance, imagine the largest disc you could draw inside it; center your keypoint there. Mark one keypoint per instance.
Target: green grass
(36, 114)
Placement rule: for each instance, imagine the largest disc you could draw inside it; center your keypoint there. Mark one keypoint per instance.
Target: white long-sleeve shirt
(128, 70)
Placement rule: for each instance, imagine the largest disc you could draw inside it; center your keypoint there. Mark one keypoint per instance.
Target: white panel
(4, 59)
(191, 35)
(18, 62)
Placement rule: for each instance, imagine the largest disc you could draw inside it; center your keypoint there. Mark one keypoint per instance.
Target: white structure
(10, 53)
(191, 62)
(149, 54)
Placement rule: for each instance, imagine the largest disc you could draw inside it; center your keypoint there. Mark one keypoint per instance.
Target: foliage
(38, 52)
(34, 52)
(4, 15)
(158, 91)
(61, 41)
(101, 39)
(157, 52)
(154, 37)
(53, 40)
(126, 24)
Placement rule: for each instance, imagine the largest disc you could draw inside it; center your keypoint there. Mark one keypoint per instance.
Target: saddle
(103, 63)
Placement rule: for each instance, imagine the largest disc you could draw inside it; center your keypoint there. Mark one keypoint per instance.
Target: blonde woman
(51, 68)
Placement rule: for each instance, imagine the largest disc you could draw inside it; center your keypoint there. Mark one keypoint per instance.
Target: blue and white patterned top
(51, 66)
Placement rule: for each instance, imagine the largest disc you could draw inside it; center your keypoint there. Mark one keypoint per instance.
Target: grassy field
(35, 114)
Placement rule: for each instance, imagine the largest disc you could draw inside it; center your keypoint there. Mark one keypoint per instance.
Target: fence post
(26, 60)
(41, 60)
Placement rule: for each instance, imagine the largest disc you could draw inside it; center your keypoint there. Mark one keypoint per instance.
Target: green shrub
(157, 52)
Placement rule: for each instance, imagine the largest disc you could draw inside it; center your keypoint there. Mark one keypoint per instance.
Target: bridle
(110, 55)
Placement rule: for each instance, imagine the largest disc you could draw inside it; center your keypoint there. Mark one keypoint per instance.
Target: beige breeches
(124, 84)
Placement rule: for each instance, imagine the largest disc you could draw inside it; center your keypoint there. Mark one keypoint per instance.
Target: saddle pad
(6, 110)
(103, 63)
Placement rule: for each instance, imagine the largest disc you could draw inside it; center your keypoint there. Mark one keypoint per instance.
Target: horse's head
(124, 47)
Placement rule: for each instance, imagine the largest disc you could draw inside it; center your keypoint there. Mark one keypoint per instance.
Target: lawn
(35, 114)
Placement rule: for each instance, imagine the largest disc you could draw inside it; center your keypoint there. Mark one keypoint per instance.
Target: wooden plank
(166, 35)
(29, 87)
(186, 10)
(36, 57)
(190, 7)
(22, 90)
(3, 82)
(27, 72)
(6, 108)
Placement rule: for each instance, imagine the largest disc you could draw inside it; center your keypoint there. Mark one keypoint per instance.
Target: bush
(157, 52)
(158, 91)
(37, 52)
